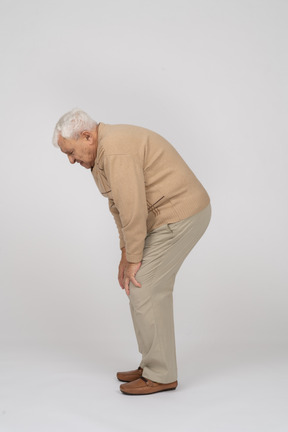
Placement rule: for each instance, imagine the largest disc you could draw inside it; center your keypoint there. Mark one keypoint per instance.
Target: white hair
(71, 124)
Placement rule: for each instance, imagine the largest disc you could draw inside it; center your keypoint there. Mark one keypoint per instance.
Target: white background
(211, 77)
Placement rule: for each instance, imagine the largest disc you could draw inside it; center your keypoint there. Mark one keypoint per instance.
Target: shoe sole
(145, 394)
(123, 380)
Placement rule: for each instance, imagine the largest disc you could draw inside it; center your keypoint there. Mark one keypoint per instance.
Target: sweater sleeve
(113, 209)
(126, 178)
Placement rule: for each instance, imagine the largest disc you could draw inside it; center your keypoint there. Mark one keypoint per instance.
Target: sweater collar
(99, 137)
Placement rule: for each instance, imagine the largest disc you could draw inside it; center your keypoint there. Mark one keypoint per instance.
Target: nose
(71, 159)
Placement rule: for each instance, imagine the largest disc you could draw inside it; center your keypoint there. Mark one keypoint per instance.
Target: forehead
(65, 144)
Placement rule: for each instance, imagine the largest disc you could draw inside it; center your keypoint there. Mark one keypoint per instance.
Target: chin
(84, 165)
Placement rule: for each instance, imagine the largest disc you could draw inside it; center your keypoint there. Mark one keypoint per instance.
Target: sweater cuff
(136, 258)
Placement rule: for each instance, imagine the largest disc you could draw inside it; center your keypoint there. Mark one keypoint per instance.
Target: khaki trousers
(151, 305)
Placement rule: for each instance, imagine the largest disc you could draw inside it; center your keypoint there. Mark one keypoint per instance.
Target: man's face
(82, 150)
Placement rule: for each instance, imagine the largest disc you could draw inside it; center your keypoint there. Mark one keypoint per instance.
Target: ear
(86, 135)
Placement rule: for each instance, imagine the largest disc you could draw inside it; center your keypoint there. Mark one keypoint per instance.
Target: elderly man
(161, 211)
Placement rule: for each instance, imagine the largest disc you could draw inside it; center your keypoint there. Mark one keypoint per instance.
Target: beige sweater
(146, 181)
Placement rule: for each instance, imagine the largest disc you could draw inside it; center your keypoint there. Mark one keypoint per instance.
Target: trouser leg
(152, 313)
(152, 305)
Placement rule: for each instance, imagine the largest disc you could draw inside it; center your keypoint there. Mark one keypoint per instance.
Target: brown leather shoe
(130, 375)
(144, 386)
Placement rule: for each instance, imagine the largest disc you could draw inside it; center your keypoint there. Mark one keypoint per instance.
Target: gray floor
(73, 388)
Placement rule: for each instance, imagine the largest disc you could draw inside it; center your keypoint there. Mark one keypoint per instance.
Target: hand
(129, 275)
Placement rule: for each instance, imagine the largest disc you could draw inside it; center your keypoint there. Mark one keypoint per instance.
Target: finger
(121, 277)
(121, 282)
(134, 281)
(126, 285)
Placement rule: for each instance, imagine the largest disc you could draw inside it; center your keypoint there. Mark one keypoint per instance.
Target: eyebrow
(67, 152)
